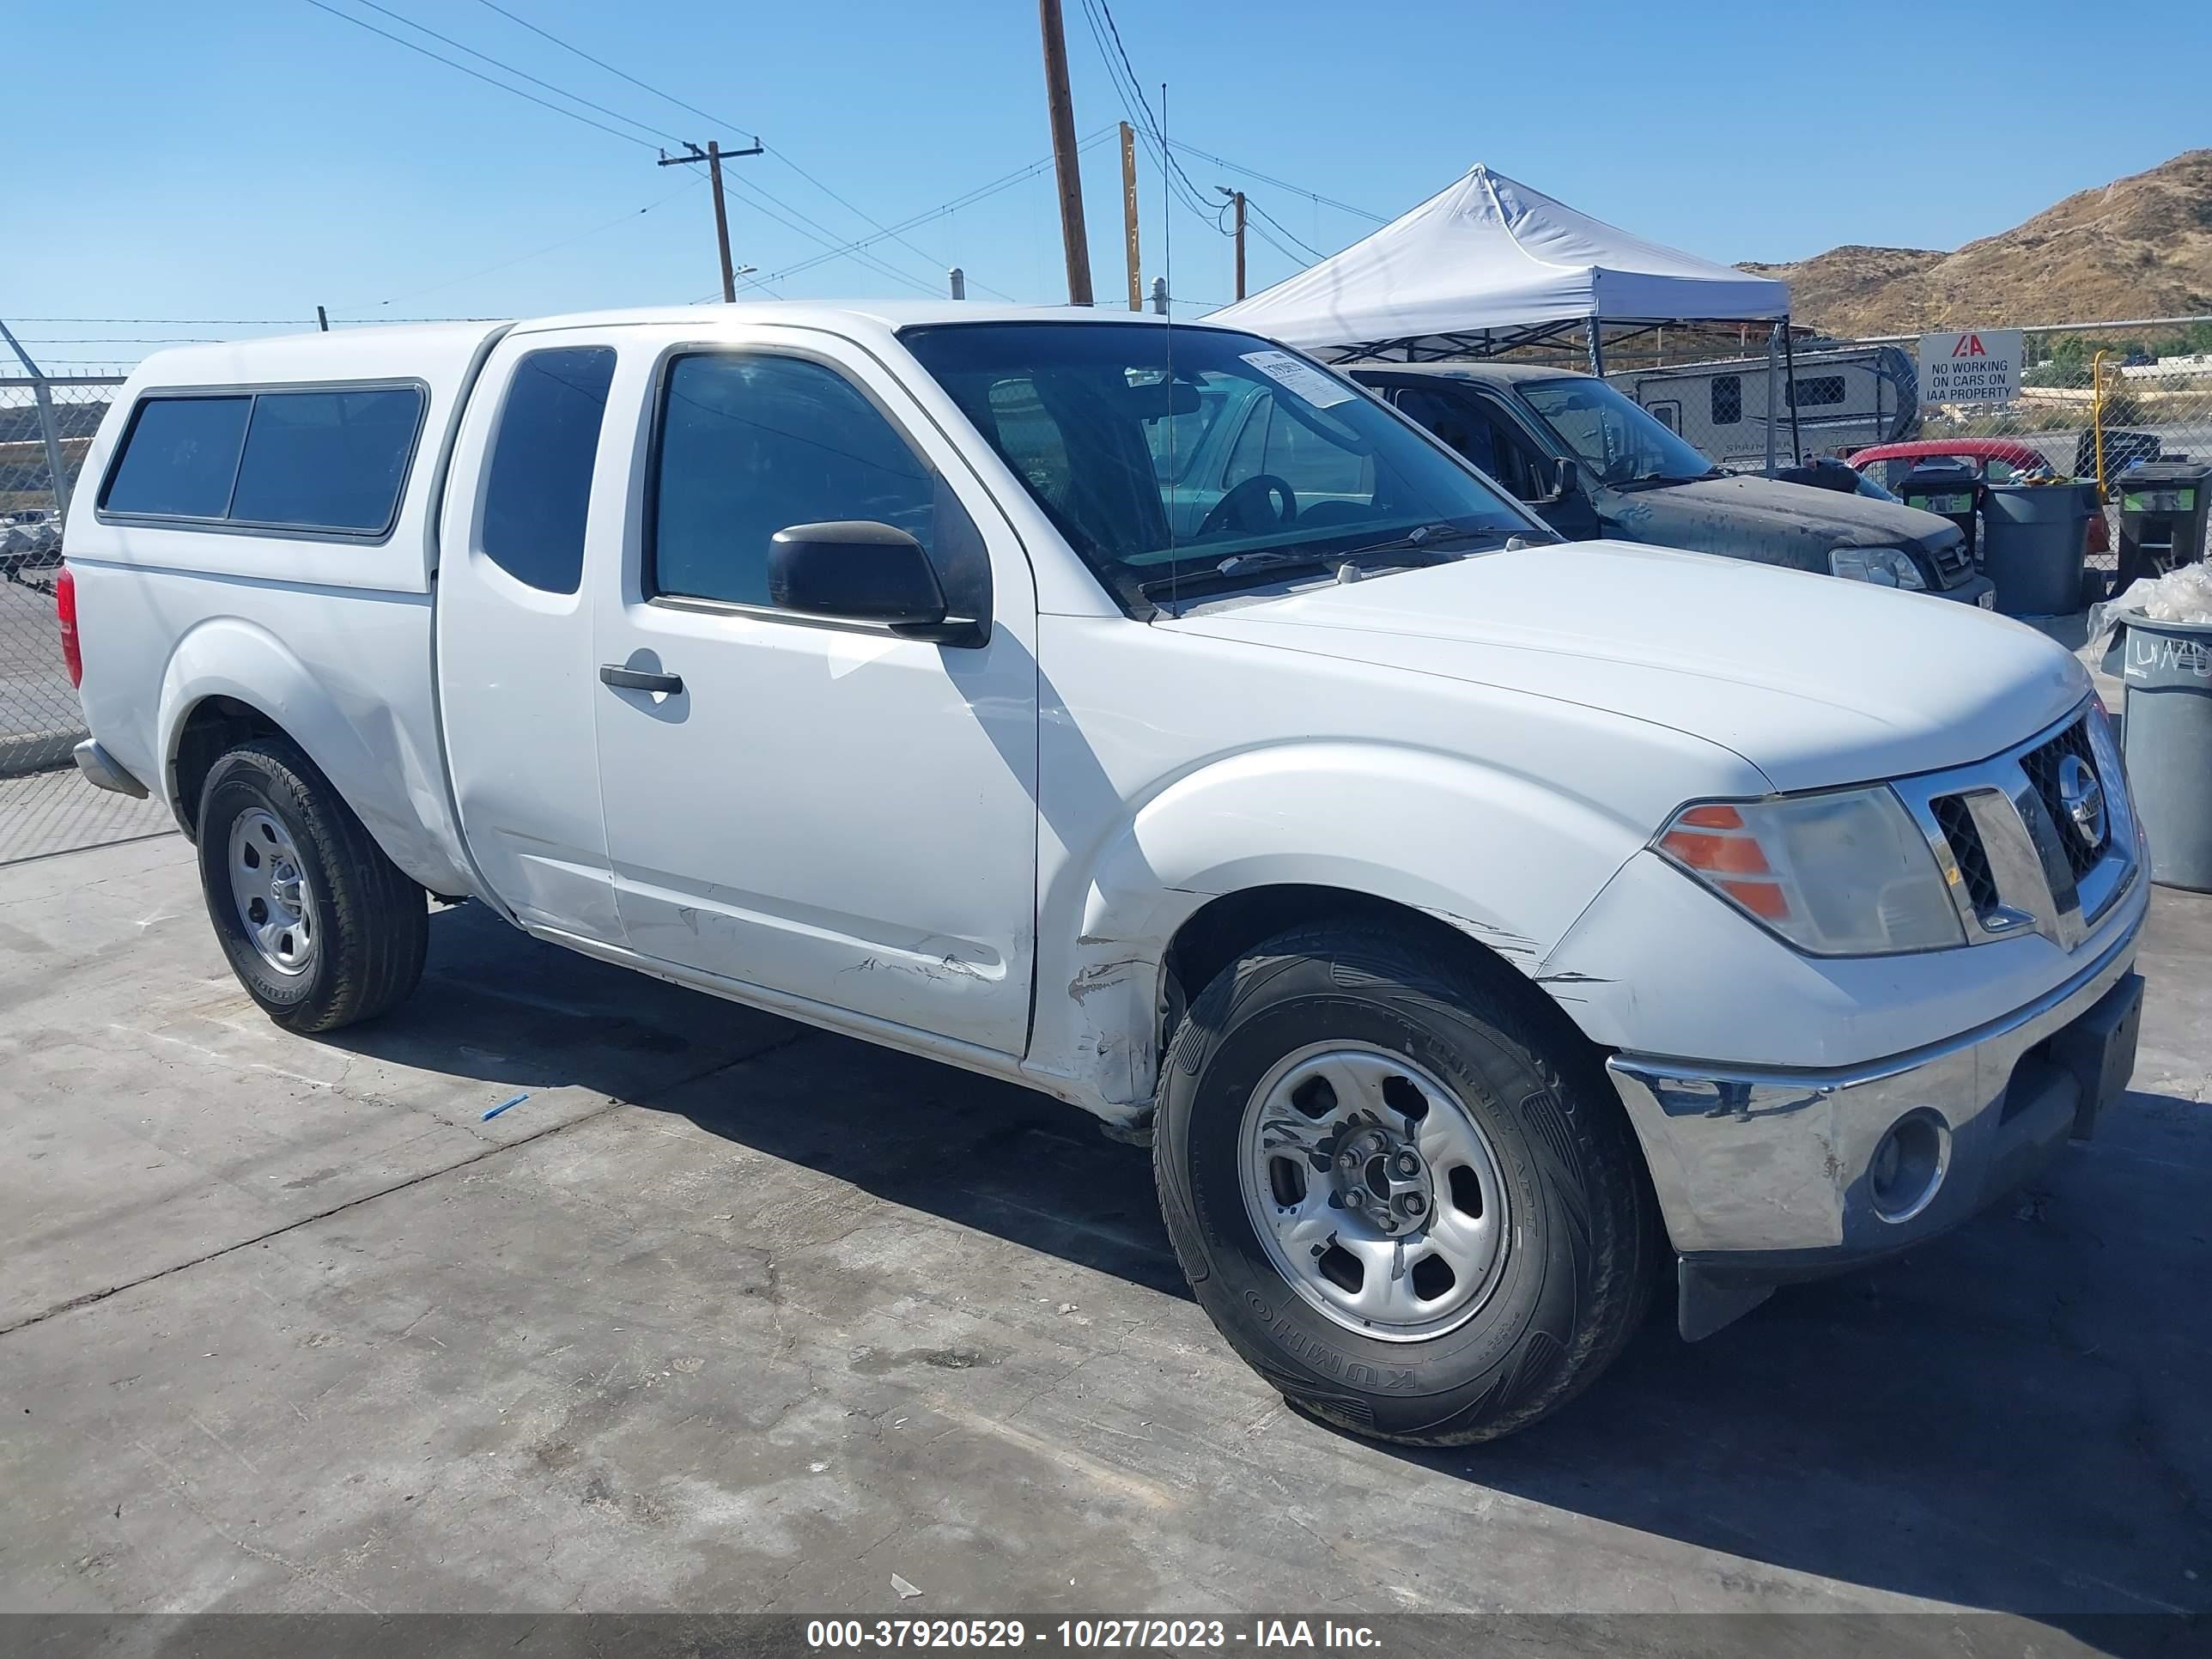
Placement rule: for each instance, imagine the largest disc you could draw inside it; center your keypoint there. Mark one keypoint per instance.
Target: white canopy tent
(1488, 264)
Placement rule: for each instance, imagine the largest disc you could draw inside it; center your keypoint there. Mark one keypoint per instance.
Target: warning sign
(1979, 366)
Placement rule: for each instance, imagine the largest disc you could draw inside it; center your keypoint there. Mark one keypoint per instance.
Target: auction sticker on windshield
(1308, 382)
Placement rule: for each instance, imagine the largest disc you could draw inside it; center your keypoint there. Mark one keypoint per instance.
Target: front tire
(1402, 1195)
(320, 927)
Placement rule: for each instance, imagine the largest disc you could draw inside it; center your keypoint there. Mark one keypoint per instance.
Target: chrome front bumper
(1767, 1176)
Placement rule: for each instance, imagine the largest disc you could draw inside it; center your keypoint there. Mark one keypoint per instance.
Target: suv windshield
(1621, 442)
(1093, 418)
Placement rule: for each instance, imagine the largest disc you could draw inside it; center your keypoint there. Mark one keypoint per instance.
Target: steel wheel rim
(269, 890)
(1427, 1235)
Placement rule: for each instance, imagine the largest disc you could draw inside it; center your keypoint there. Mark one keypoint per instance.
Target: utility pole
(1060, 105)
(959, 281)
(1237, 199)
(1237, 196)
(322, 319)
(1129, 213)
(712, 156)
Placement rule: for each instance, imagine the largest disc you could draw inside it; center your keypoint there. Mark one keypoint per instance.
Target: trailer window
(540, 480)
(1817, 389)
(180, 458)
(1728, 399)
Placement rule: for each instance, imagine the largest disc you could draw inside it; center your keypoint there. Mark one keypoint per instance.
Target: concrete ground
(725, 1313)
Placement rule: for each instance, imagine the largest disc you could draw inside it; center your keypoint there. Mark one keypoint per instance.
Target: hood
(1814, 681)
(1768, 519)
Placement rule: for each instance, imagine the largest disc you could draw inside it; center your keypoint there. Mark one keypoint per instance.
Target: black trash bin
(2034, 540)
(1947, 490)
(2163, 505)
(2167, 669)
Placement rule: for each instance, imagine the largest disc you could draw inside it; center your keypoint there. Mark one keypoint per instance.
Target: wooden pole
(1129, 213)
(1060, 105)
(721, 224)
(1238, 196)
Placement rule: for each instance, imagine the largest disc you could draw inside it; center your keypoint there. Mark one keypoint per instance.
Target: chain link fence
(42, 424)
(46, 425)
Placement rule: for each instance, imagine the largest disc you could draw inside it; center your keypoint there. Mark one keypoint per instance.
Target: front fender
(349, 729)
(1510, 859)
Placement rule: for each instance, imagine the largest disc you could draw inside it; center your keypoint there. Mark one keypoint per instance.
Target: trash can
(2167, 667)
(2034, 540)
(2162, 516)
(1948, 490)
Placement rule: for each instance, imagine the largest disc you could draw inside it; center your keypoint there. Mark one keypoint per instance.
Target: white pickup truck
(1481, 928)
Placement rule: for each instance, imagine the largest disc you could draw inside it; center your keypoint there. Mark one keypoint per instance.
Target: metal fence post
(47, 427)
(1772, 342)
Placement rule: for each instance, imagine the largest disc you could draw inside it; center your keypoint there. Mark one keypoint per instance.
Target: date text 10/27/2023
(1089, 1635)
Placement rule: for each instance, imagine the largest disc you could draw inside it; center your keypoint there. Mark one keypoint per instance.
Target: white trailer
(1845, 399)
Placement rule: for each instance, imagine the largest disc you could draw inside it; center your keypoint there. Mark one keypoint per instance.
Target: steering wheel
(1239, 509)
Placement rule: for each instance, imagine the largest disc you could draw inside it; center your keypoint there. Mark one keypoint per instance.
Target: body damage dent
(1116, 995)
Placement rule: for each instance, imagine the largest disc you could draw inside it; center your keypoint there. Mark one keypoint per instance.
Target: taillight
(65, 613)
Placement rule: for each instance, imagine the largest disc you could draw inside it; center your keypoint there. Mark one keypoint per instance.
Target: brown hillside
(2140, 246)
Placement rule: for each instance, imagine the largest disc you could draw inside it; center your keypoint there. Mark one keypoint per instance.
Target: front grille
(1972, 859)
(1954, 563)
(2042, 767)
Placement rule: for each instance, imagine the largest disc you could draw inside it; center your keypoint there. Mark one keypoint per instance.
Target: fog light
(1908, 1165)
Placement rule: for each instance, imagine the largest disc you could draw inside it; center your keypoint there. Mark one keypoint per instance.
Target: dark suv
(1591, 462)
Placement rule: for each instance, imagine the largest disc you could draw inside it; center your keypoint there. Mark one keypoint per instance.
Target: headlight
(1846, 873)
(1885, 567)
(2112, 773)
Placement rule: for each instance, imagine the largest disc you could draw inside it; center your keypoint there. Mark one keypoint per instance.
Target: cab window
(751, 443)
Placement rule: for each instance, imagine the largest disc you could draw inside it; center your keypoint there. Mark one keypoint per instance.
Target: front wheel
(321, 928)
(1399, 1193)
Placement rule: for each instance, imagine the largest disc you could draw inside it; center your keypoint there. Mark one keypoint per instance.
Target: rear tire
(1452, 1119)
(320, 927)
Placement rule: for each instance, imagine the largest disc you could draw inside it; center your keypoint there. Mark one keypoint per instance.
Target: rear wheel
(1398, 1192)
(320, 927)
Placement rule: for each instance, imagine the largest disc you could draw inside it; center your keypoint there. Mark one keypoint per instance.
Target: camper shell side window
(320, 462)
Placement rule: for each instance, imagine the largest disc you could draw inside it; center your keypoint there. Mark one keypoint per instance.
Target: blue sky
(249, 159)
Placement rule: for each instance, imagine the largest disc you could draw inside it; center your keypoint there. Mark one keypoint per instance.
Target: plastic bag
(2179, 595)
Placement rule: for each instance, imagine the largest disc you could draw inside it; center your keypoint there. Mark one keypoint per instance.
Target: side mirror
(864, 572)
(1568, 481)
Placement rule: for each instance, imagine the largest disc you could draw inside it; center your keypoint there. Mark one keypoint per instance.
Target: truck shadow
(2010, 1419)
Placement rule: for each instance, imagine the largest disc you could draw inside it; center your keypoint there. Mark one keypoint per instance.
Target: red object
(1985, 450)
(2021, 458)
(65, 613)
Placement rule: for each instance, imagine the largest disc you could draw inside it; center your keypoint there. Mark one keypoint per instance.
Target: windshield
(1619, 439)
(1160, 474)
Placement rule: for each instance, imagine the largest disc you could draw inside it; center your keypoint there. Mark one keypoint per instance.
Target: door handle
(632, 679)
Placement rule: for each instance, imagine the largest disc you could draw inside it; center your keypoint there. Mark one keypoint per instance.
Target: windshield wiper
(1238, 566)
(1425, 540)
(1417, 546)
(1659, 481)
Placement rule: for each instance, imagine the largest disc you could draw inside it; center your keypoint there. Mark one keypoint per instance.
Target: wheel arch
(230, 680)
(1494, 867)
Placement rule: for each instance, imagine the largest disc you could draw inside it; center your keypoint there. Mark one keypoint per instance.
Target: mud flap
(1706, 1302)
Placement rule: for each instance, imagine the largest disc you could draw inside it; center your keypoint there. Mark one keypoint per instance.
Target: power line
(1006, 182)
(773, 151)
(553, 247)
(1279, 184)
(362, 23)
(560, 92)
(1284, 229)
(238, 322)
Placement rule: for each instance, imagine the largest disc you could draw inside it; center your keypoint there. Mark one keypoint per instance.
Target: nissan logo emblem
(2083, 798)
